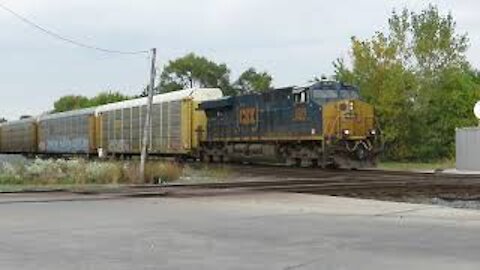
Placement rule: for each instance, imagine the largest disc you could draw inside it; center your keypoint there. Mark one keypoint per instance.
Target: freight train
(324, 124)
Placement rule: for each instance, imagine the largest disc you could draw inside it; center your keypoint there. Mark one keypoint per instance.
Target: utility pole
(148, 121)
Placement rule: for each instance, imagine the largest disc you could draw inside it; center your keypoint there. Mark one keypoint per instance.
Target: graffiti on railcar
(67, 145)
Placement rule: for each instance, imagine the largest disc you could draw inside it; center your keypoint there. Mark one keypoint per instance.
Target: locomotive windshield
(349, 94)
(324, 92)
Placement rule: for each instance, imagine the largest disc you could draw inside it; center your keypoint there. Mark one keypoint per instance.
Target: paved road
(262, 231)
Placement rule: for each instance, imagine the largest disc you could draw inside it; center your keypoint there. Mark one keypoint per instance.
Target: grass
(417, 166)
(78, 173)
(34, 174)
(201, 173)
(56, 175)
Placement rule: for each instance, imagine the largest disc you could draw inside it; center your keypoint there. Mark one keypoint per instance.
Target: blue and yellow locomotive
(325, 124)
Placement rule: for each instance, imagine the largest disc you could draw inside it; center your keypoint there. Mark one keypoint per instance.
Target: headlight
(346, 132)
(373, 132)
(351, 106)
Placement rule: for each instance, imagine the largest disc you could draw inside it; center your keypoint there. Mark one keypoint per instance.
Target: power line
(65, 39)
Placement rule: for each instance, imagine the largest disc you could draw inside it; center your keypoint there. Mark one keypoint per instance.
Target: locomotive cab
(344, 114)
(348, 122)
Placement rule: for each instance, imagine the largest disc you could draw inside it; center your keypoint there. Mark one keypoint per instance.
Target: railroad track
(375, 184)
(391, 185)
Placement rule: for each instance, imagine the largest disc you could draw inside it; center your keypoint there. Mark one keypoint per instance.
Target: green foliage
(253, 81)
(417, 76)
(449, 107)
(107, 97)
(194, 71)
(71, 102)
(197, 71)
(434, 42)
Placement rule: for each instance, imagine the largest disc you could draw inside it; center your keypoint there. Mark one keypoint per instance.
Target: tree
(194, 71)
(455, 94)
(71, 102)
(417, 76)
(106, 98)
(253, 81)
(3, 120)
(435, 45)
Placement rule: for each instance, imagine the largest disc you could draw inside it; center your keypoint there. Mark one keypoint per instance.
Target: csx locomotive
(324, 124)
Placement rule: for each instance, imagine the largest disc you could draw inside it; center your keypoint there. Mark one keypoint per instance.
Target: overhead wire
(66, 39)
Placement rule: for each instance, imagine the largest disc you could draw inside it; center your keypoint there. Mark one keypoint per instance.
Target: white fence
(468, 149)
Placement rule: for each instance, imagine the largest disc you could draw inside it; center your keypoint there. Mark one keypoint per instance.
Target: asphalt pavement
(250, 231)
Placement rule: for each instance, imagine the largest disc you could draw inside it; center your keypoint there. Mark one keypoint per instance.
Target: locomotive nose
(349, 119)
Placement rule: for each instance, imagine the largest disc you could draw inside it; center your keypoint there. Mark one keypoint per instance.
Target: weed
(79, 172)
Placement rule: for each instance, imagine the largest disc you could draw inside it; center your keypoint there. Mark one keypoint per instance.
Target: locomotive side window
(303, 97)
(300, 97)
(296, 98)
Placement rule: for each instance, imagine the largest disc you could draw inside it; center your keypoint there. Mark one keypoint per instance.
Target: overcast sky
(292, 40)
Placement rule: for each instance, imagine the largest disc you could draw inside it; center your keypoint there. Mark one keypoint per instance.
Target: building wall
(468, 149)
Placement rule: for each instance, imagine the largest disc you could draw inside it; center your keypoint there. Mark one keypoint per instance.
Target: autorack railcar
(324, 124)
(19, 137)
(115, 129)
(173, 130)
(67, 133)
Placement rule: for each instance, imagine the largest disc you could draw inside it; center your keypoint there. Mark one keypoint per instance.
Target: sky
(292, 40)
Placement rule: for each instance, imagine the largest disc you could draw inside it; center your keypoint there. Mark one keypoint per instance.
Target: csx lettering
(300, 114)
(248, 116)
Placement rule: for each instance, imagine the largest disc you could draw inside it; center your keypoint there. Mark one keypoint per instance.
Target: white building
(468, 149)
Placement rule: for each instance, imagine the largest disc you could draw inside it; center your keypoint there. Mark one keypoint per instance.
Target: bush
(55, 172)
(155, 172)
(104, 173)
(166, 172)
(81, 172)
